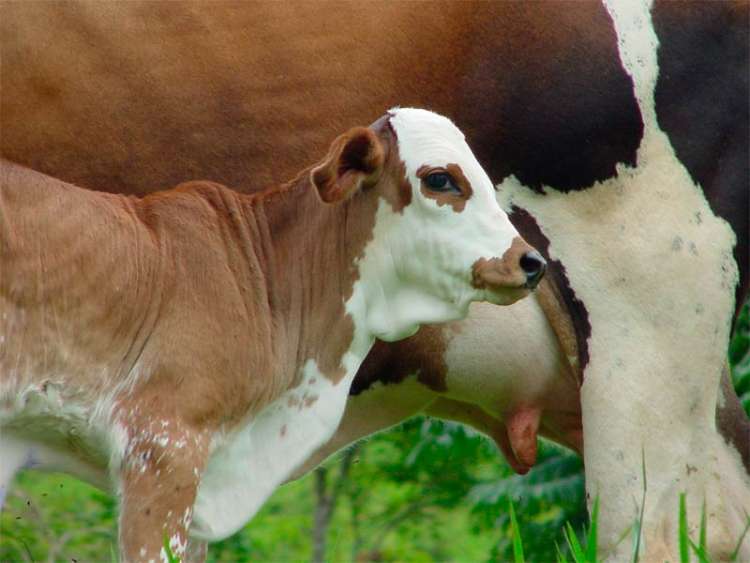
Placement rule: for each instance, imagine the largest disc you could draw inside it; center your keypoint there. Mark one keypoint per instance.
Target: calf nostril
(534, 266)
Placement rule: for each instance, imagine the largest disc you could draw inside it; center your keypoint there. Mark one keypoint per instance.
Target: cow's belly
(246, 466)
(20, 452)
(56, 398)
(42, 429)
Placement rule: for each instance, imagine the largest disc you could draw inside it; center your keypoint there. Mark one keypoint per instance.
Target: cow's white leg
(654, 267)
(15, 454)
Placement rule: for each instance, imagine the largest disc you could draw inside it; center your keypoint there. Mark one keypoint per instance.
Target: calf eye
(441, 182)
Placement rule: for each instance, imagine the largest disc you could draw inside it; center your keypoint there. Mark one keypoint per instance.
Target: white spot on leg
(255, 454)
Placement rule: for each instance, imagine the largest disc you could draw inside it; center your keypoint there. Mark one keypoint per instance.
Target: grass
(517, 543)
(584, 550)
(171, 557)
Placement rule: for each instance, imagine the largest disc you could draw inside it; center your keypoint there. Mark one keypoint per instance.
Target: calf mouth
(504, 295)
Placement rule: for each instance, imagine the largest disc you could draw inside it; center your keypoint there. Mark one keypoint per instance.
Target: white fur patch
(50, 417)
(248, 465)
(654, 268)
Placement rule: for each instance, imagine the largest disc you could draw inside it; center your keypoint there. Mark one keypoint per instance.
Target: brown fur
(494, 272)
(208, 301)
(140, 96)
(422, 354)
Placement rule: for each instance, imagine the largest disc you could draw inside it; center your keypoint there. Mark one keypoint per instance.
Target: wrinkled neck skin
(641, 251)
(310, 254)
(328, 327)
(335, 318)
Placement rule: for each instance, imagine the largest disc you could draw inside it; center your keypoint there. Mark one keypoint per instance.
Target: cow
(201, 336)
(618, 132)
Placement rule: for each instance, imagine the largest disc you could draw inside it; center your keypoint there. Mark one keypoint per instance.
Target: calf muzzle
(521, 267)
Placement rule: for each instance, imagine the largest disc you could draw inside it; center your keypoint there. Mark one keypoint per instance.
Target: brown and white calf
(621, 138)
(195, 346)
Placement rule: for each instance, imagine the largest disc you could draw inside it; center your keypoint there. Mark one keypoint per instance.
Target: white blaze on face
(419, 266)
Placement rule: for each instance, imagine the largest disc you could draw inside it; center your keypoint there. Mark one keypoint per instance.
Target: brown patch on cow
(557, 277)
(391, 362)
(405, 189)
(553, 306)
(309, 400)
(461, 181)
(504, 272)
(357, 233)
(731, 420)
(530, 115)
(456, 201)
(399, 195)
(282, 432)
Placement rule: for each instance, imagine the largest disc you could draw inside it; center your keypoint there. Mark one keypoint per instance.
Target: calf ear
(354, 160)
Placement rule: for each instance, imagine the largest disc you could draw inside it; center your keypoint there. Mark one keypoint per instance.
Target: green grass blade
(517, 544)
(171, 557)
(683, 532)
(702, 536)
(579, 556)
(591, 542)
(700, 552)
(559, 554)
(639, 523)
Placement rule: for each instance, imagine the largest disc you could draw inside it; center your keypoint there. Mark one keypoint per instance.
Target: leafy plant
(547, 497)
(171, 557)
(739, 357)
(516, 534)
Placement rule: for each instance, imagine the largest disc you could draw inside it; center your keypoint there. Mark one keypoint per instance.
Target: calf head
(439, 239)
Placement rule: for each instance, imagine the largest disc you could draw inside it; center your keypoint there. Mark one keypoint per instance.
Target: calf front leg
(159, 481)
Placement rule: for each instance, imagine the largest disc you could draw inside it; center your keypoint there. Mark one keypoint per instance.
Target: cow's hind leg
(159, 475)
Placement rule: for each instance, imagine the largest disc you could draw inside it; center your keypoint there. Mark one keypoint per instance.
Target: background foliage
(425, 491)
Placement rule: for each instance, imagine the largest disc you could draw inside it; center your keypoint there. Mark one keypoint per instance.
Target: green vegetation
(425, 491)
(739, 357)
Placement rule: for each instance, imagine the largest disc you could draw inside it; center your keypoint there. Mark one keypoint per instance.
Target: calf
(620, 130)
(193, 347)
